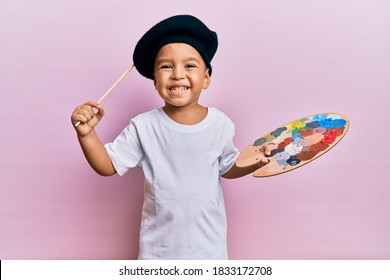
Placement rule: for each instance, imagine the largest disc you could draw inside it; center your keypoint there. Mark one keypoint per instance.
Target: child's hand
(266, 149)
(256, 158)
(87, 117)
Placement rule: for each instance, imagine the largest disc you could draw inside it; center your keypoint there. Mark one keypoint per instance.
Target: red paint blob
(339, 131)
(330, 136)
(285, 142)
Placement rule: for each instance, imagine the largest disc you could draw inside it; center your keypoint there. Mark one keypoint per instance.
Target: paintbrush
(111, 88)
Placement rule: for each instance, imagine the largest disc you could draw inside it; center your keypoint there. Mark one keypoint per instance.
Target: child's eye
(190, 66)
(166, 67)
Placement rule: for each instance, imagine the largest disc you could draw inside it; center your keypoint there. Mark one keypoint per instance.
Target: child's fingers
(267, 148)
(88, 109)
(265, 151)
(81, 116)
(93, 104)
(262, 162)
(86, 112)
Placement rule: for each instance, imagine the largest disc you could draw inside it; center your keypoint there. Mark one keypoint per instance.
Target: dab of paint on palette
(296, 143)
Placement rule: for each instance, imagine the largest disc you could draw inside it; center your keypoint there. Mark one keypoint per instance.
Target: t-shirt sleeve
(126, 150)
(230, 152)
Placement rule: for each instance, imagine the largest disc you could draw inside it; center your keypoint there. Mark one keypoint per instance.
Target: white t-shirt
(183, 214)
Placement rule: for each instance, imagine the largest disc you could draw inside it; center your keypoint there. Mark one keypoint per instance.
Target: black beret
(177, 29)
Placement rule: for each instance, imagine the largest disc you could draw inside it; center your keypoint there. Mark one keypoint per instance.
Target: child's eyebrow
(192, 59)
(169, 60)
(163, 60)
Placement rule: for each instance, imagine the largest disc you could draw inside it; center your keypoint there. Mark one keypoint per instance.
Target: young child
(183, 148)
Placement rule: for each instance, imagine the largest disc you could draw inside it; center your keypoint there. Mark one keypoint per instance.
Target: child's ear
(154, 81)
(207, 79)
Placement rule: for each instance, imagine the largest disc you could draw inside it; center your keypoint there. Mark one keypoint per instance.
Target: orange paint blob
(318, 147)
(306, 155)
(306, 132)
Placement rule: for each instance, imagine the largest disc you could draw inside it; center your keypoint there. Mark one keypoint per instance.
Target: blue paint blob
(319, 117)
(334, 116)
(279, 131)
(327, 123)
(297, 139)
(283, 156)
(260, 142)
(313, 125)
(282, 162)
(338, 123)
(293, 160)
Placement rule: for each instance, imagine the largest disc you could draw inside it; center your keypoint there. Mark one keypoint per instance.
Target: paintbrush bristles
(111, 88)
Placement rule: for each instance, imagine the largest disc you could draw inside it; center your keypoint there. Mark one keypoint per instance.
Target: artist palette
(296, 143)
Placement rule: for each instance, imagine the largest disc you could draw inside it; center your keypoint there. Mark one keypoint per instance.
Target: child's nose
(177, 73)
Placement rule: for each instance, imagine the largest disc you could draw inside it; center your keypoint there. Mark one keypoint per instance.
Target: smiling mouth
(178, 89)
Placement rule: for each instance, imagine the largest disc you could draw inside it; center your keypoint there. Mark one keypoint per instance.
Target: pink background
(277, 61)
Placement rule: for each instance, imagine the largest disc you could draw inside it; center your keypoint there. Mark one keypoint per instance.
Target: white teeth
(178, 89)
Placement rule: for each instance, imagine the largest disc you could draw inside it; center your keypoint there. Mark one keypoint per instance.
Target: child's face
(180, 74)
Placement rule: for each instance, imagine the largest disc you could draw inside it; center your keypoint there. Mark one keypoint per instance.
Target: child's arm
(94, 151)
(237, 172)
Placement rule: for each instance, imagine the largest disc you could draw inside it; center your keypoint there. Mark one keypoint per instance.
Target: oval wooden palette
(296, 143)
